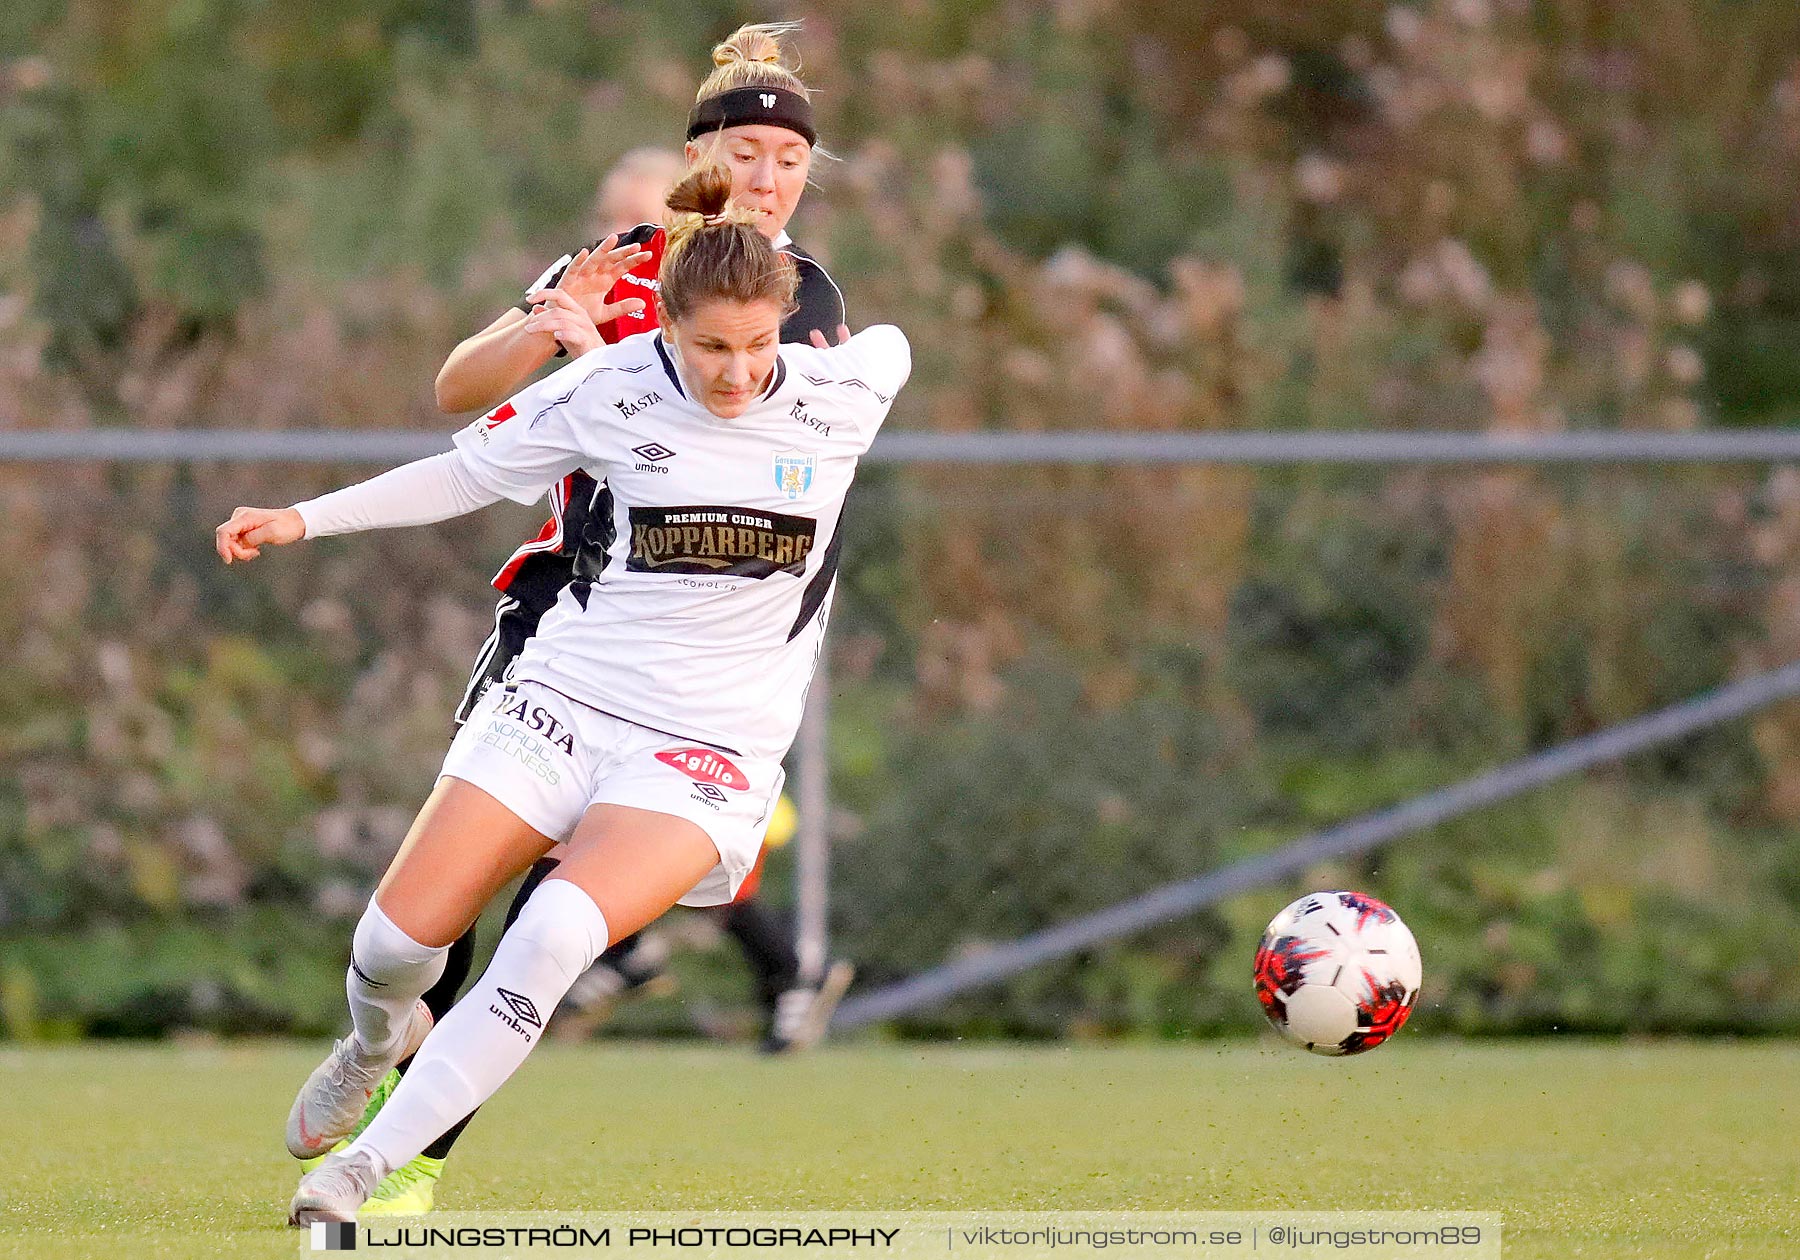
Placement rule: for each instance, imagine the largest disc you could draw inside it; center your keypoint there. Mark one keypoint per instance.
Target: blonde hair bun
(753, 56)
(755, 42)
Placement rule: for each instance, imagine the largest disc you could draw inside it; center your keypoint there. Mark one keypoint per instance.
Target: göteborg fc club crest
(794, 472)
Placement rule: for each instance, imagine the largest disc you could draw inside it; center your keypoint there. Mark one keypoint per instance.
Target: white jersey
(707, 617)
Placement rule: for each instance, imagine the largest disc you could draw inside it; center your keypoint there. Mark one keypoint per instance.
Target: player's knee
(562, 921)
(381, 949)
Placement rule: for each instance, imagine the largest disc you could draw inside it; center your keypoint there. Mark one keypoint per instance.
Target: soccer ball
(1337, 972)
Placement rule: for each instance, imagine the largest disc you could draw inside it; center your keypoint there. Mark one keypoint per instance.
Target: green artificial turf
(1598, 1149)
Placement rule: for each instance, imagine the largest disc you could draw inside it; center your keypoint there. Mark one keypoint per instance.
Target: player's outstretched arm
(419, 493)
(497, 457)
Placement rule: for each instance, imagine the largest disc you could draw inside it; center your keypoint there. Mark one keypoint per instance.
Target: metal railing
(1608, 447)
(346, 446)
(1344, 840)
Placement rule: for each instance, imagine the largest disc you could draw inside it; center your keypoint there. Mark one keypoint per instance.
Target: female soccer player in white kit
(645, 723)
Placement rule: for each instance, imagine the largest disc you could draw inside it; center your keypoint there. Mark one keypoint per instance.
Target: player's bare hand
(591, 275)
(818, 338)
(251, 529)
(560, 315)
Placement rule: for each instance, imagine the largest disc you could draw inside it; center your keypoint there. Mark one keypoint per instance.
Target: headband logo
(768, 100)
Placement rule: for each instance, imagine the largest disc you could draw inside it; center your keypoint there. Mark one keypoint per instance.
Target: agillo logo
(705, 766)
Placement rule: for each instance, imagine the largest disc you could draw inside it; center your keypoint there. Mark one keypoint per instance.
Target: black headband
(747, 106)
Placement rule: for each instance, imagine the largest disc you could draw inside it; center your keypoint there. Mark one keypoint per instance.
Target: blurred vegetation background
(1053, 687)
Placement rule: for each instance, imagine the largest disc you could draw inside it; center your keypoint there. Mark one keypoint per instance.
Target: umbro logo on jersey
(629, 409)
(650, 455)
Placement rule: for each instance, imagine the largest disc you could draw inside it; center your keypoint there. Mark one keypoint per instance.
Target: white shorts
(548, 758)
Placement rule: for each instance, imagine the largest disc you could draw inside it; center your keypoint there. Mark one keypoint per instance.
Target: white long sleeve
(426, 490)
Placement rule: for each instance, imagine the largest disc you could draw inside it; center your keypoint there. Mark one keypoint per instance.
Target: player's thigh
(463, 848)
(517, 776)
(635, 863)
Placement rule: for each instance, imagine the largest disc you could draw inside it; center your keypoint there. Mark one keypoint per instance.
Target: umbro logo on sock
(522, 1006)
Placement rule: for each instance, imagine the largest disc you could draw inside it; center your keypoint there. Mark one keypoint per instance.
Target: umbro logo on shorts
(703, 765)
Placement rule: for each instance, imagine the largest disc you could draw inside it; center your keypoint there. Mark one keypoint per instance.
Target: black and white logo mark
(710, 792)
(768, 100)
(652, 451)
(334, 1235)
(522, 1006)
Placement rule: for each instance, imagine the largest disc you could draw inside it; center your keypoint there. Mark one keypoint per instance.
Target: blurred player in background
(632, 192)
(596, 296)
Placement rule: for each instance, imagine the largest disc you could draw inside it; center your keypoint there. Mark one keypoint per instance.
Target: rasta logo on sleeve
(718, 541)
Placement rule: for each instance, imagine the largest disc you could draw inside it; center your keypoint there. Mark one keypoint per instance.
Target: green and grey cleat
(335, 1190)
(325, 1108)
(408, 1190)
(377, 1100)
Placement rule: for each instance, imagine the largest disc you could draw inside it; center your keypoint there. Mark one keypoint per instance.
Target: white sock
(485, 1038)
(389, 973)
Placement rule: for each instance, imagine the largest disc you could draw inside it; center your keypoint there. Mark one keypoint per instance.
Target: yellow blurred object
(782, 823)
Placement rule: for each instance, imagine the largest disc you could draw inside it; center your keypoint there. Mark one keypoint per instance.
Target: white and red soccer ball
(1337, 972)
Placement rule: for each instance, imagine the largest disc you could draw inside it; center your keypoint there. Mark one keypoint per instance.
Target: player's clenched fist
(251, 529)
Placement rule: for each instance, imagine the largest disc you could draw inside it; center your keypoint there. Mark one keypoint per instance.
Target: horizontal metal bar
(389, 446)
(1359, 835)
(1713, 446)
(273, 446)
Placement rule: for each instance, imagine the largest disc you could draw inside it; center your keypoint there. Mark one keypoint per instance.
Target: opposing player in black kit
(645, 723)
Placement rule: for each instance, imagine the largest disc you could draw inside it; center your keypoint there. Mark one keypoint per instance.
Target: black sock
(767, 947)
(535, 876)
(619, 948)
(539, 872)
(440, 1148)
(441, 996)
